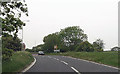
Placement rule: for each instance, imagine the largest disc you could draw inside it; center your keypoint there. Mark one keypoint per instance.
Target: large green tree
(50, 41)
(10, 13)
(72, 36)
(10, 20)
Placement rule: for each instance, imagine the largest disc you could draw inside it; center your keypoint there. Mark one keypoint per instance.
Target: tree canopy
(70, 39)
(10, 20)
(10, 14)
(66, 40)
(50, 41)
(72, 36)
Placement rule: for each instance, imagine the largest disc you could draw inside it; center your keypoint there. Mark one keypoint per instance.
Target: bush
(98, 50)
(29, 50)
(85, 46)
(18, 61)
(6, 53)
(10, 42)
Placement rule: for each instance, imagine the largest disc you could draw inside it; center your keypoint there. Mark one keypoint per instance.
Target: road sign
(55, 47)
(23, 46)
(56, 51)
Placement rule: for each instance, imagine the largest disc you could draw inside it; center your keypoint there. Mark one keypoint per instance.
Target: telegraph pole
(22, 35)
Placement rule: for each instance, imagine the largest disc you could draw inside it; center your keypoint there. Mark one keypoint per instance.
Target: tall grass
(17, 62)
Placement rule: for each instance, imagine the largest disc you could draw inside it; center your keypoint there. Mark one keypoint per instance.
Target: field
(17, 62)
(108, 58)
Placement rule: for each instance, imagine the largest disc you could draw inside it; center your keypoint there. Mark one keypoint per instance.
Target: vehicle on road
(41, 53)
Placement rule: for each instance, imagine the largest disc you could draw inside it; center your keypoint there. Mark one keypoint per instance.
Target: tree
(98, 45)
(29, 50)
(12, 43)
(39, 48)
(85, 46)
(10, 14)
(72, 36)
(50, 41)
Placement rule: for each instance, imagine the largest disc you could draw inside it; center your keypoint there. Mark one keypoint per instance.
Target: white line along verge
(99, 63)
(75, 70)
(95, 63)
(64, 62)
(30, 66)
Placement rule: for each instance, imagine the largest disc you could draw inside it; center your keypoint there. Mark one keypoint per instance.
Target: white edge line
(30, 65)
(75, 70)
(99, 64)
(95, 63)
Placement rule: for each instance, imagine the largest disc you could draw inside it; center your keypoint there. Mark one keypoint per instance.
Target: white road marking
(75, 70)
(64, 62)
(57, 59)
(30, 65)
(99, 64)
(49, 57)
(94, 62)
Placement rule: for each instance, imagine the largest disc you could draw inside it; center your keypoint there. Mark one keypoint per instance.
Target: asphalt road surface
(62, 64)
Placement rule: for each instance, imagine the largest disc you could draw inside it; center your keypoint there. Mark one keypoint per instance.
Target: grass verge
(108, 58)
(17, 62)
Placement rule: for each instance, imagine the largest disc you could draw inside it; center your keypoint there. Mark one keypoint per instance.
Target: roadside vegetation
(13, 58)
(17, 62)
(107, 57)
(69, 39)
(11, 23)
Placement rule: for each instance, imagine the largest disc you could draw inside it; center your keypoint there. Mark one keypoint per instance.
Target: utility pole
(22, 35)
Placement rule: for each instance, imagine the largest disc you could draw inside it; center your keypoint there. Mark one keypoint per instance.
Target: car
(41, 53)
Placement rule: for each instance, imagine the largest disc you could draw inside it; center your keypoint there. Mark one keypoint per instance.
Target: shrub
(85, 46)
(6, 53)
(10, 42)
(99, 50)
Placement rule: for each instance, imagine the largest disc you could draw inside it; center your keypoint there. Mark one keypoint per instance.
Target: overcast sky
(98, 19)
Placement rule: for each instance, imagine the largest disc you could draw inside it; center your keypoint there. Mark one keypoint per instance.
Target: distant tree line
(115, 49)
(69, 39)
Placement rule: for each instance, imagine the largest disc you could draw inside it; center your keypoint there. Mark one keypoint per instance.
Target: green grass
(17, 62)
(108, 58)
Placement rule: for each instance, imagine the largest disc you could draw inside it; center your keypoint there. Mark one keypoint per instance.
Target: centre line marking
(49, 57)
(75, 70)
(64, 62)
(57, 59)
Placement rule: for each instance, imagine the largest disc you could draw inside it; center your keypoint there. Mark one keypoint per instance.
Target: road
(62, 64)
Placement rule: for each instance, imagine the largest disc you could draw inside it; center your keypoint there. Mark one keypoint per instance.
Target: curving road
(61, 64)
